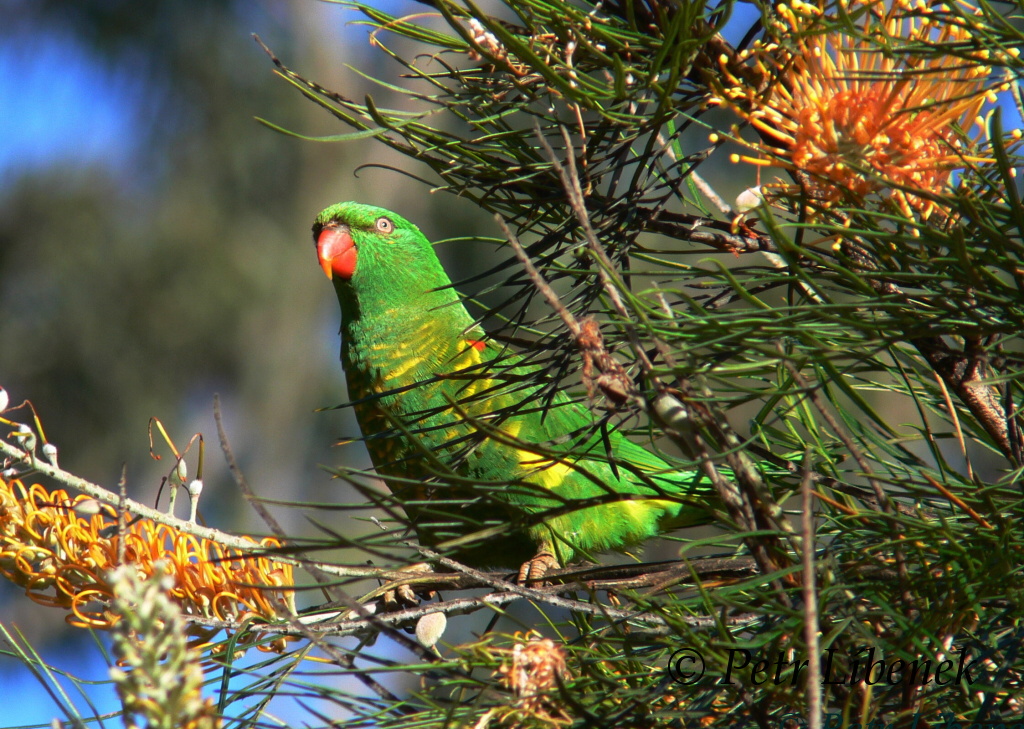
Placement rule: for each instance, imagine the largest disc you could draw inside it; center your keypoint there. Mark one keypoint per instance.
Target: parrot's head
(364, 246)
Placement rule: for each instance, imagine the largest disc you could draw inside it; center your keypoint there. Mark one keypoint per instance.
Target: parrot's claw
(404, 596)
(535, 569)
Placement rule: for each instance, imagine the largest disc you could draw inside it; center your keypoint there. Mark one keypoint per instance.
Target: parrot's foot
(535, 569)
(403, 596)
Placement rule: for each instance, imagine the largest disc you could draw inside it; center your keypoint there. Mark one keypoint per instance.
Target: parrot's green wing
(480, 461)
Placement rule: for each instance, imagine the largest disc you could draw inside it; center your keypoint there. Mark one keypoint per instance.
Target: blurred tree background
(155, 249)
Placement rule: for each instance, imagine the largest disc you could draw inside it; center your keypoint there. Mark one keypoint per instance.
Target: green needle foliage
(840, 358)
(865, 353)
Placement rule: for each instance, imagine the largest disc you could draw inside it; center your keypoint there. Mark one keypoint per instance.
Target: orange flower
(872, 113)
(63, 559)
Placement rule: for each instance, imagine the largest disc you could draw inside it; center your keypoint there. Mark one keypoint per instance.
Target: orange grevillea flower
(64, 559)
(882, 110)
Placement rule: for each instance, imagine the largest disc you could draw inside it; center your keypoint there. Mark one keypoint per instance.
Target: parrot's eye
(384, 225)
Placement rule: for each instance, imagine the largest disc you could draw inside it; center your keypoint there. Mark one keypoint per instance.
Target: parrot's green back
(462, 437)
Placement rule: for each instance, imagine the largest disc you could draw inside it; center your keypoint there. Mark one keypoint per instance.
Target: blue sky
(56, 102)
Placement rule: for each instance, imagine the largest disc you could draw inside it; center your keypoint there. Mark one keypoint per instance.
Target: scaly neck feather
(404, 331)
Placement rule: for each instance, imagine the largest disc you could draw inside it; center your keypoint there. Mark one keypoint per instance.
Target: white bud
(430, 628)
(87, 507)
(749, 199)
(5, 399)
(182, 470)
(670, 410)
(25, 436)
(195, 488)
(50, 451)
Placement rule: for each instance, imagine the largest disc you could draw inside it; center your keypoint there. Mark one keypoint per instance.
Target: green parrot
(483, 465)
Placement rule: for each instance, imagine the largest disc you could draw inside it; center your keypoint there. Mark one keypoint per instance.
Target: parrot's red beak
(337, 252)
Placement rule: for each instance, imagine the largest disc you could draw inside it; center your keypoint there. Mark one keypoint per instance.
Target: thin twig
(709, 192)
(811, 628)
(884, 502)
(753, 508)
(965, 371)
(136, 508)
(239, 477)
(538, 280)
(333, 590)
(122, 515)
(140, 510)
(332, 624)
